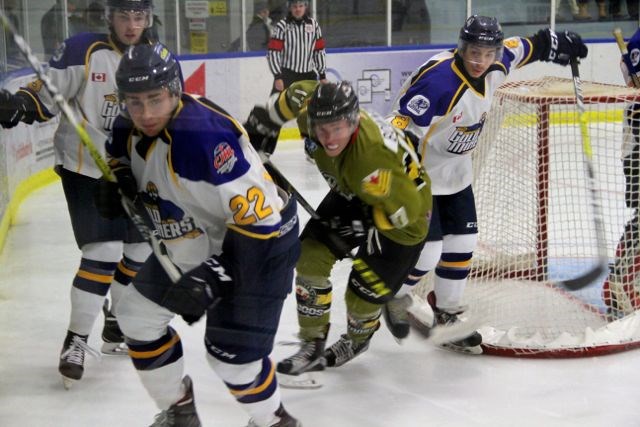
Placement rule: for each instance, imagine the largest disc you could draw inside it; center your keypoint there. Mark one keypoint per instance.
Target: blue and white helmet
(483, 31)
(631, 61)
(146, 67)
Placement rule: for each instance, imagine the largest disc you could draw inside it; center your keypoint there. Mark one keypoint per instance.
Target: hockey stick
(439, 334)
(358, 263)
(603, 260)
(617, 34)
(137, 214)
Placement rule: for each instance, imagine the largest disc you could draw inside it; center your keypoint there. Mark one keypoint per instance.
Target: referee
(296, 48)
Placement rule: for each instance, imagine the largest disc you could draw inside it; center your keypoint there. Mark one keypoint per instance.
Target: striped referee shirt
(297, 45)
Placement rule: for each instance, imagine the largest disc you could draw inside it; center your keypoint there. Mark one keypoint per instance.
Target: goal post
(535, 221)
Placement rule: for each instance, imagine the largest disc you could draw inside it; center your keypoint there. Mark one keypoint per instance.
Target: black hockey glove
(12, 109)
(107, 195)
(199, 289)
(263, 132)
(559, 48)
(345, 230)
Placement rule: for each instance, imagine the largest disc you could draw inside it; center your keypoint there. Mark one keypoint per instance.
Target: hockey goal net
(535, 219)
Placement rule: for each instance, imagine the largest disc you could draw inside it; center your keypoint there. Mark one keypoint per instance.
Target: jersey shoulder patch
(206, 144)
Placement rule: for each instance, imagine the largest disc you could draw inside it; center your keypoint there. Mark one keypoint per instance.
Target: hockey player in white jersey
(83, 70)
(442, 107)
(225, 224)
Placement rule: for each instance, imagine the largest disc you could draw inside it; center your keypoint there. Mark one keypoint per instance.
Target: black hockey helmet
(331, 102)
(145, 6)
(484, 31)
(146, 67)
(292, 2)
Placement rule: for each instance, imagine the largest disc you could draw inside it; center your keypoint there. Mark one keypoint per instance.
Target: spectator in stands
(296, 48)
(583, 10)
(52, 28)
(259, 30)
(13, 53)
(616, 11)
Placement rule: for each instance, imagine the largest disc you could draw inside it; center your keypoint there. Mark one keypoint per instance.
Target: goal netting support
(535, 219)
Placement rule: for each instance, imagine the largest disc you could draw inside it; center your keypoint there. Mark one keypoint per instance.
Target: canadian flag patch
(377, 183)
(99, 77)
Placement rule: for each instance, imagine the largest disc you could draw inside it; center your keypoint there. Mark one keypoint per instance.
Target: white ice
(409, 385)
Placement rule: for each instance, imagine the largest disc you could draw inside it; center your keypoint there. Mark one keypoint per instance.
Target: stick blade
(586, 278)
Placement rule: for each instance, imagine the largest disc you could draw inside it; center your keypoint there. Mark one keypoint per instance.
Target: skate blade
(445, 334)
(67, 382)
(115, 349)
(304, 381)
(476, 350)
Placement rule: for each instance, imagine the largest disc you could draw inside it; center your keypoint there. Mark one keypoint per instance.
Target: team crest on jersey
(465, 138)
(109, 110)
(308, 28)
(418, 105)
(224, 158)
(168, 218)
(377, 183)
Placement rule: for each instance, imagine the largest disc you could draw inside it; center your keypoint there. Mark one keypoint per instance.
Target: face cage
(351, 118)
(174, 87)
(109, 11)
(463, 45)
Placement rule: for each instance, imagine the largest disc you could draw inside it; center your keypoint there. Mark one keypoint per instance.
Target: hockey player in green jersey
(379, 201)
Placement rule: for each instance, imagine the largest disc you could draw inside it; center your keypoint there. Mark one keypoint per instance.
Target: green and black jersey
(379, 167)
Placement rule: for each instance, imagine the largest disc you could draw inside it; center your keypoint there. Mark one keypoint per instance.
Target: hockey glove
(199, 289)
(108, 195)
(561, 47)
(263, 132)
(345, 230)
(12, 109)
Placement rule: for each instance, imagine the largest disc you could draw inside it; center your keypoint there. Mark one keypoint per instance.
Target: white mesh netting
(535, 219)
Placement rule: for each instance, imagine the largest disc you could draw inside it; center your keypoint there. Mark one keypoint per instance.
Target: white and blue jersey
(200, 179)
(83, 70)
(446, 111)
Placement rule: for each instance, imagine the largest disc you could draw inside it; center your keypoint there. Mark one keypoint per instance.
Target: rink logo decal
(465, 138)
(377, 183)
(224, 158)
(168, 218)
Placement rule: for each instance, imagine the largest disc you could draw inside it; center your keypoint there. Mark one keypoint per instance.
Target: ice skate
(71, 365)
(469, 343)
(344, 350)
(295, 371)
(182, 413)
(282, 419)
(112, 337)
(396, 316)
